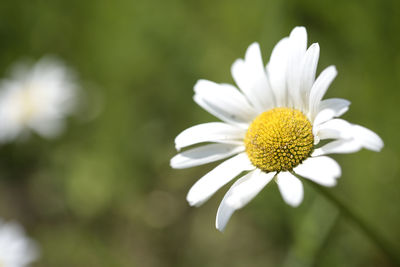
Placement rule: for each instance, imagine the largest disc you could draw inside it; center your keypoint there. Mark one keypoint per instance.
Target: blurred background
(103, 193)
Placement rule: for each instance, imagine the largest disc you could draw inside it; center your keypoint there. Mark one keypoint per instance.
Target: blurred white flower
(271, 128)
(16, 250)
(36, 99)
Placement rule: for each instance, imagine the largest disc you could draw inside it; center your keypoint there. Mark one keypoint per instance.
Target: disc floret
(279, 139)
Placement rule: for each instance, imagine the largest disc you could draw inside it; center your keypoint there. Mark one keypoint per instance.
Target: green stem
(368, 231)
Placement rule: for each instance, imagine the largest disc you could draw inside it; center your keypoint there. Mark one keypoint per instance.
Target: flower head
(16, 250)
(272, 127)
(36, 99)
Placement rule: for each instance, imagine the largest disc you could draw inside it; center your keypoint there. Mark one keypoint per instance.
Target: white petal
(16, 248)
(240, 194)
(367, 138)
(276, 70)
(341, 146)
(330, 108)
(319, 89)
(309, 68)
(297, 50)
(246, 188)
(249, 74)
(334, 129)
(206, 186)
(223, 101)
(322, 170)
(210, 132)
(217, 112)
(204, 154)
(291, 188)
(352, 138)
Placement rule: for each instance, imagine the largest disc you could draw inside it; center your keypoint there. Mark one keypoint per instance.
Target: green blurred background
(103, 193)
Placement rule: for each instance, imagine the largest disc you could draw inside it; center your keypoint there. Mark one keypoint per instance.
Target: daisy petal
(223, 101)
(309, 68)
(206, 186)
(341, 146)
(204, 154)
(276, 70)
(334, 129)
(319, 89)
(246, 188)
(210, 132)
(291, 188)
(351, 137)
(16, 248)
(240, 194)
(367, 138)
(249, 74)
(217, 112)
(297, 50)
(321, 170)
(330, 108)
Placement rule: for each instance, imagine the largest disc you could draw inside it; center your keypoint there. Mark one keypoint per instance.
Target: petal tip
(172, 163)
(252, 49)
(200, 84)
(333, 184)
(299, 29)
(219, 227)
(294, 203)
(380, 144)
(253, 45)
(192, 200)
(237, 67)
(333, 69)
(315, 46)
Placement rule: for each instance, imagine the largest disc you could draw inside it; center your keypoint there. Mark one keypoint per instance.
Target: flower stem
(367, 230)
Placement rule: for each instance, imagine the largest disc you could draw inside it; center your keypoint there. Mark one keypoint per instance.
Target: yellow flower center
(279, 139)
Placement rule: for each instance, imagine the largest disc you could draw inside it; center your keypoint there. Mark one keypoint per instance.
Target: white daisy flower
(16, 250)
(36, 99)
(271, 128)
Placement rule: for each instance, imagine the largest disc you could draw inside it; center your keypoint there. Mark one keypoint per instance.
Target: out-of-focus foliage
(103, 193)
